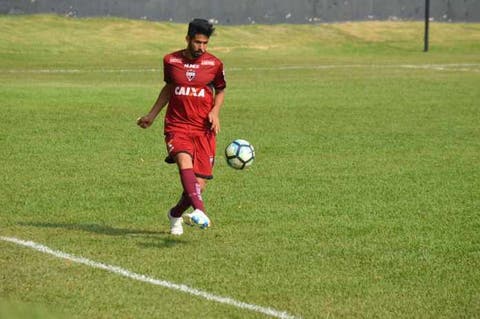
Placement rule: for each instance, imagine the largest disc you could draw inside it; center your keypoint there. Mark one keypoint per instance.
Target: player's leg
(175, 215)
(198, 217)
(203, 168)
(189, 195)
(179, 146)
(202, 182)
(193, 175)
(183, 203)
(191, 185)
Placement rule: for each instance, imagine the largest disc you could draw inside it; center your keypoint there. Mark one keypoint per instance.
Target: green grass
(363, 201)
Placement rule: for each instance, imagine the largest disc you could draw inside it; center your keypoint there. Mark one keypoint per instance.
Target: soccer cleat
(197, 217)
(176, 227)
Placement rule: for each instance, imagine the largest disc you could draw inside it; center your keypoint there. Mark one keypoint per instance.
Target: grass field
(364, 200)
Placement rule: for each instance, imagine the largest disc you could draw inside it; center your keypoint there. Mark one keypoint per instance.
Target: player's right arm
(162, 100)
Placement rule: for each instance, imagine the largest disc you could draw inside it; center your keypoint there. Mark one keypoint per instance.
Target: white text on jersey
(191, 66)
(189, 91)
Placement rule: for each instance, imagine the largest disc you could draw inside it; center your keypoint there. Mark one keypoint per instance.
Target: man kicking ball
(194, 90)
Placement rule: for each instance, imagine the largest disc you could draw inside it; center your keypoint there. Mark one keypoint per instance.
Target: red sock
(192, 188)
(182, 205)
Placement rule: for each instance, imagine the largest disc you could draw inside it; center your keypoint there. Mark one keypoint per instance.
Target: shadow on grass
(97, 229)
(166, 242)
(160, 239)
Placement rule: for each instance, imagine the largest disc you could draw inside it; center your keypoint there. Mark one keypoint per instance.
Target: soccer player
(194, 90)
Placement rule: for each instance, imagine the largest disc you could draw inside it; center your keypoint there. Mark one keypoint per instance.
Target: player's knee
(184, 160)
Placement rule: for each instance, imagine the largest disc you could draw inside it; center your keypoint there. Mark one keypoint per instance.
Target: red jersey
(194, 84)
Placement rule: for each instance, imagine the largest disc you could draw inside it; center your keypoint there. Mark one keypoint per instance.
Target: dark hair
(200, 26)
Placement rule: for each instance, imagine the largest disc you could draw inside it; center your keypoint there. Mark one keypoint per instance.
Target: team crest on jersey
(190, 74)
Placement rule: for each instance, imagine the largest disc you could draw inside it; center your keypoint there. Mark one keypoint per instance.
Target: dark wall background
(253, 11)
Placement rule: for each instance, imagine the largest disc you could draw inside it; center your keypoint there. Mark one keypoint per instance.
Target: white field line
(158, 282)
(438, 67)
(463, 67)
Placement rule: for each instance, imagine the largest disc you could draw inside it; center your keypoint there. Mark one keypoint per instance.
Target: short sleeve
(166, 71)
(219, 82)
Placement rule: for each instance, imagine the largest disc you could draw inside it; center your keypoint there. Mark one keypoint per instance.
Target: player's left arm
(219, 84)
(214, 115)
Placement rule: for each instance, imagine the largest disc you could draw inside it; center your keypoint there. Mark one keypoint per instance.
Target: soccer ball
(239, 154)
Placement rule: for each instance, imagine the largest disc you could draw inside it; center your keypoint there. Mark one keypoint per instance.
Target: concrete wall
(253, 11)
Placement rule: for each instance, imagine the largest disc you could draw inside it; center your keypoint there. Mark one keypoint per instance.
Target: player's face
(197, 45)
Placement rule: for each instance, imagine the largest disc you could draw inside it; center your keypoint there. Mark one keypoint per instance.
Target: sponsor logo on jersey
(175, 60)
(190, 74)
(208, 62)
(189, 91)
(191, 66)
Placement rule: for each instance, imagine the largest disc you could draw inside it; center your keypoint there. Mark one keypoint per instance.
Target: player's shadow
(162, 239)
(97, 229)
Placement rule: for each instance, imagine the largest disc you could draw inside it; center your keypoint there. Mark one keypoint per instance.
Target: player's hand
(214, 122)
(144, 121)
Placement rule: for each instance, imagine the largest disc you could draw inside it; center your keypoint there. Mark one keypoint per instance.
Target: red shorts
(200, 146)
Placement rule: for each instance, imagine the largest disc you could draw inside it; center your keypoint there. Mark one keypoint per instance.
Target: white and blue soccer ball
(240, 154)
